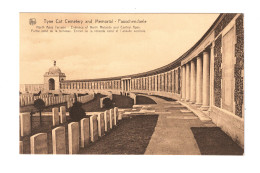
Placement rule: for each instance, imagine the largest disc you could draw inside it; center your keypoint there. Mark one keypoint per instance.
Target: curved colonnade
(209, 76)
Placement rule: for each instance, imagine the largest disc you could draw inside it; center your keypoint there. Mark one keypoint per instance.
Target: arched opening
(51, 84)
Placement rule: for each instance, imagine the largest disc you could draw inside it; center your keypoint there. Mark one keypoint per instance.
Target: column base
(204, 108)
(198, 104)
(182, 99)
(192, 102)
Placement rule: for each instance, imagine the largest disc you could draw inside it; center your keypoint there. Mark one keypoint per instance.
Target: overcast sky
(97, 55)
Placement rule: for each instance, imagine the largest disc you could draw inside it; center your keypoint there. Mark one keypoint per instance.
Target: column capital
(205, 52)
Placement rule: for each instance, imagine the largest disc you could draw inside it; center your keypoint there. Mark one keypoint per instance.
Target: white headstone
(107, 123)
(115, 115)
(58, 140)
(21, 147)
(102, 123)
(55, 116)
(25, 124)
(93, 128)
(62, 114)
(111, 118)
(101, 103)
(85, 134)
(119, 115)
(38, 143)
(73, 132)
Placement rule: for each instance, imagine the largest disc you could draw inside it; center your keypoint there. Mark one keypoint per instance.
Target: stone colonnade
(196, 80)
(168, 81)
(126, 84)
(111, 84)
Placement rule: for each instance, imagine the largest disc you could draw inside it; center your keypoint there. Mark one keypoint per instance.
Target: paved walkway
(180, 132)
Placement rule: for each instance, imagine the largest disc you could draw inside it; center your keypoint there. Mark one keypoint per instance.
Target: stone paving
(173, 133)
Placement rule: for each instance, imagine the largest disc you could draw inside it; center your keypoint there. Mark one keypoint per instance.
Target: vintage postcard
(131, 84)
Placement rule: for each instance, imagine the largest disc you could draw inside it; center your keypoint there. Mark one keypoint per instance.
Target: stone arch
(51, 84)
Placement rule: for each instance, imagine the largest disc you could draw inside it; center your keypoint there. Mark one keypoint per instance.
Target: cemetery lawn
(130, 136)
(141, 100)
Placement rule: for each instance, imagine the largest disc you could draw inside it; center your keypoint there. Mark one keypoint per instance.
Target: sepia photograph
(131, 83)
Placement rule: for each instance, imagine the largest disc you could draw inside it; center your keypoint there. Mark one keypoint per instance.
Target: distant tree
(77, 112)
(39, 93)
(107, 103)
(39, 104)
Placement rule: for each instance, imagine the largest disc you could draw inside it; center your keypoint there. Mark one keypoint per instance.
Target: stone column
(166, 81)
(128, 86)
(141, 83)
(199, 82)
(211, 75)
(205, 83)
(183, 89)
(177, 80)
(159, 82)
(122, 85)
(162, 82)
(155, 83)
(187, 98)
(152, 83)
(173, 81)
(193, 82)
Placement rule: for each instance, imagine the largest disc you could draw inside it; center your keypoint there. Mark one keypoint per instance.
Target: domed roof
(54, 69)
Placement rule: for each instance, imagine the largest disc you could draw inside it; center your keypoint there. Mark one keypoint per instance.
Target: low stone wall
(109, 95)
(133, 96)
(159, 93)
(82, 99)
(229, 123)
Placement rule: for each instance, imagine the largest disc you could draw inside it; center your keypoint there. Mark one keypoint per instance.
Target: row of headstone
(55, 100)
(50, 100)
(90, 130)
(58, 117)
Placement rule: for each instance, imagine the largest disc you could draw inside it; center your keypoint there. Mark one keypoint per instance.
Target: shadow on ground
(131, 136)
(164, 98)
(213, 141)
(142, 100)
